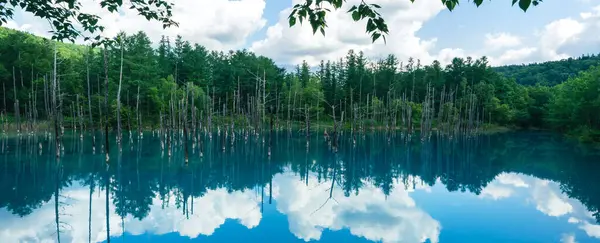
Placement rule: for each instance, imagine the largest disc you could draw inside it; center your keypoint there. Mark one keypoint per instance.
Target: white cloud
(548, 201)
(559, 39)
(496, 192)
(216, 24)
(568, 238)
(501, 40)
(210, 212)
(292, 45)
(511, 179)
(370, 214)
(573, 220)
(592, 230)
(558, 33)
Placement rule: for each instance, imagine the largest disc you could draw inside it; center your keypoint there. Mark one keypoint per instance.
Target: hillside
(548, 73)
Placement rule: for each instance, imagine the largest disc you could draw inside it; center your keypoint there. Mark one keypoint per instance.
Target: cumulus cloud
(496, 192)
(559, 39)
(292, 45)
(556, 40)
(568, 238)
(216, 24)
(501, 40)
(511, 179)
(210, 212)
(592, 230)
(548, 201)
(370, 214)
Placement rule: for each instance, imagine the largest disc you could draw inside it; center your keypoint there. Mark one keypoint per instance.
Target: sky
(424, 30)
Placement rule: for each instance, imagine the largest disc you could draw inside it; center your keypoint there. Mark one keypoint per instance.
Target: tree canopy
(315, 12)
(374, 90)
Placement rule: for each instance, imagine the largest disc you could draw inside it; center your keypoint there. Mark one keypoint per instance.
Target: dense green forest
(549, 73)
(155, 85)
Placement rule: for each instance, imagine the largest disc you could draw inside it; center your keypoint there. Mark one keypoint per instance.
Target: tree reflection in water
(141, 176)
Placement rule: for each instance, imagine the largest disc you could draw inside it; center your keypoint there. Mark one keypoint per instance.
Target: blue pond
(509, 187)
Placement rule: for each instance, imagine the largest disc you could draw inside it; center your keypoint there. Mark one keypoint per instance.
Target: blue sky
(466, 26)
(424, 30)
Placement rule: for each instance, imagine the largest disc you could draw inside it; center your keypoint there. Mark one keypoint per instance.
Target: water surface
(512, 187)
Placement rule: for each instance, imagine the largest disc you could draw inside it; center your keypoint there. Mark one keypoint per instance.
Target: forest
(133, 86)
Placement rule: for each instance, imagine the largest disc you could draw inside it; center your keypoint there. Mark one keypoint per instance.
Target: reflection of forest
(28, 179)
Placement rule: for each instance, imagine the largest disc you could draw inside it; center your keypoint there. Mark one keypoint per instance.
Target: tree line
(185, 85)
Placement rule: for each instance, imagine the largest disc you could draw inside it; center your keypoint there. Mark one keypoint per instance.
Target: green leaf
(524, 4)
(356, 16)
(514, 1)
(292, 21)
(336, 3)
(322, 31)
(375, 5)
(375, 36)
(314, 26)
(478, 2)
(370, 26)
(450, 5)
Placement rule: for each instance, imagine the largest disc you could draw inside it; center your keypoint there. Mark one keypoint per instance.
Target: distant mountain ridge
(548, 73)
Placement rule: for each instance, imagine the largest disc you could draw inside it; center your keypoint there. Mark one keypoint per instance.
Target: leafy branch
(315, 12)
(63, 15)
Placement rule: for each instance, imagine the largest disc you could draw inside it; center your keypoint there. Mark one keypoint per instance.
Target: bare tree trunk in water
(106, 148)
(16, 102)
(119, 100)
(137, 113)
(87, 64)
(54, 107)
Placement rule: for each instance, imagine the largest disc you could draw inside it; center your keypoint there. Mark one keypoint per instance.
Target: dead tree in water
(16, 103)
(119, 135)
(185, 131)
(54, 106)
(91, 121)
(106, 143)
(137, 113)
(307, 117)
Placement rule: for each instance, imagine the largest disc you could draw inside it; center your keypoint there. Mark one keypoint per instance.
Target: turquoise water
(511, 187)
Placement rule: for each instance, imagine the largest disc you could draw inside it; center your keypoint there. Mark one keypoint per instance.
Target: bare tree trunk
(106, 143)
(16, 102)
(119, 134)
(87, 67)
(54, 106)
(185, 131)
(137, 113)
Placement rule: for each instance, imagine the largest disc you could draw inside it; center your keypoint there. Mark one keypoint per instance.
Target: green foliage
(315, 12)
(576, 102)
(549, 73)
(233, 80)
(168, 70)
(62, 15)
